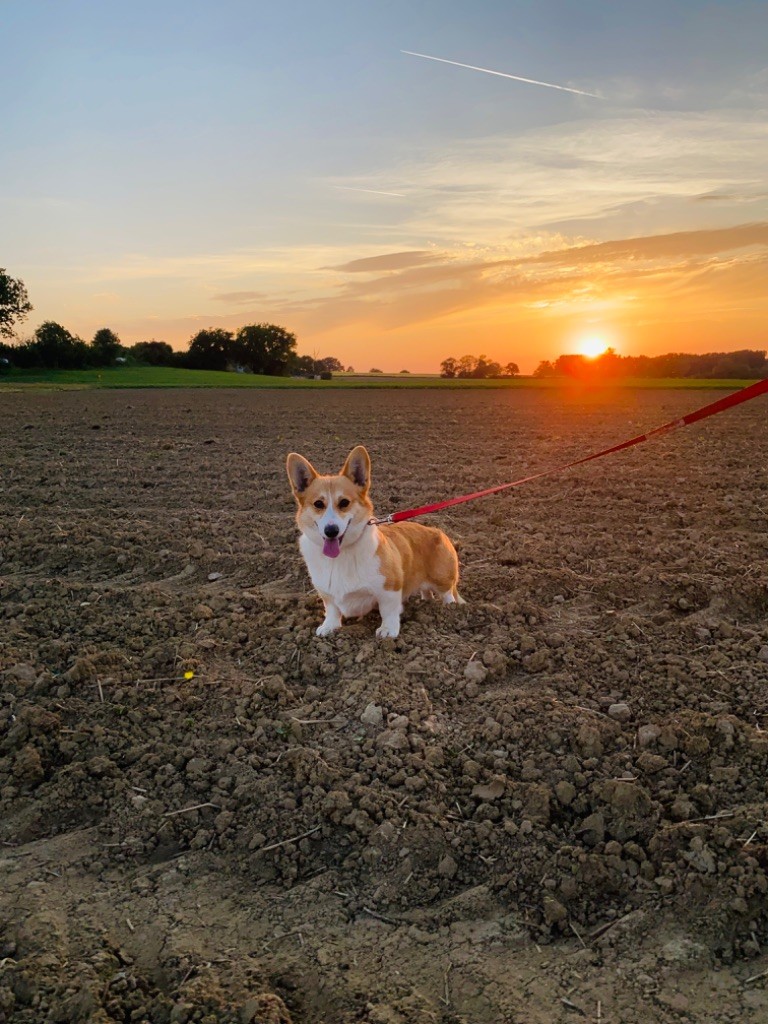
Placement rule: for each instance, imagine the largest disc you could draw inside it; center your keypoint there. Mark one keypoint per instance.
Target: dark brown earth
(547, 805)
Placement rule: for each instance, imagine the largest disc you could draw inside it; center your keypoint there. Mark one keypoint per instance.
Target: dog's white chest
(353, 580)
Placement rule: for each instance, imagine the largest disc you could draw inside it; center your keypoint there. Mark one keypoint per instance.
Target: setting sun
(592, 347)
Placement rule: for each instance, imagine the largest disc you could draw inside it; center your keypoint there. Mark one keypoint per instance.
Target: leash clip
(380, 522)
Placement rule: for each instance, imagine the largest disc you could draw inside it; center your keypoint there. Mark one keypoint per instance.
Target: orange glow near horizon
(413, 309)
(592, 347)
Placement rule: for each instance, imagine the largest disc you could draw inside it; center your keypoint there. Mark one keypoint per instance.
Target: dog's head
(333, 510)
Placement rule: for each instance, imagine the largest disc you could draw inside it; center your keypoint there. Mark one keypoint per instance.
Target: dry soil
(546, 805)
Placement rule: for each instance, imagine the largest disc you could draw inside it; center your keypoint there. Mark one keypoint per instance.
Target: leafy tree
(510, 370)
(486, 368)
(375, 370)
(572, 366)
(608, 364)
(737, 364)
(544, 369)
(264, 348)
(153, 353)
(210, 349)
(405, 371)
(55, 348)
(14, 303)
(350, 369)
(105, 347)
(466, 366)
(449, 368)
(332, 364)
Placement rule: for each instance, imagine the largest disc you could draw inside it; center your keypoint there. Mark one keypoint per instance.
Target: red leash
(760, 388)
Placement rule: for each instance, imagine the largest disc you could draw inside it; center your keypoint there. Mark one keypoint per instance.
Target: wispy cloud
(389, 261)
(754, 196)
(520, 234)
(611, 276)
(220, 267)
(491, 189)
(668, 246)
(237, 298)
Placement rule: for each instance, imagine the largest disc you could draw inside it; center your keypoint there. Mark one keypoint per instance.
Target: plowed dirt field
(547, 805)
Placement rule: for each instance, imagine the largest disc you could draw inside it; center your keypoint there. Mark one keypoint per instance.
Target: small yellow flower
(189, 675)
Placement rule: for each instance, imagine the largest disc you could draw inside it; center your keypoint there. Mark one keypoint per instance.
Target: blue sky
(171, 165)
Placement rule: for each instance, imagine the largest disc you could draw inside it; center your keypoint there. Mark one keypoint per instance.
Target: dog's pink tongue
(331, 547)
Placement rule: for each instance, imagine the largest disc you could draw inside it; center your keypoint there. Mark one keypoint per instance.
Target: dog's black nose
(331, 531)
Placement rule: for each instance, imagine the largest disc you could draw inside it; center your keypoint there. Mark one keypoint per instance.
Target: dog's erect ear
(300, 472)
(358, 468)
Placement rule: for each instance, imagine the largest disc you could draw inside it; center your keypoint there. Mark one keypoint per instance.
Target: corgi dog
(356, 565)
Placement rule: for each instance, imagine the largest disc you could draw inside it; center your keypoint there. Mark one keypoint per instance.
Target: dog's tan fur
(373, 566)
(412, 554)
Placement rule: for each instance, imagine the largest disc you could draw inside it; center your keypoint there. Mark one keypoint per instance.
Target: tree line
(270, 349)
(477, 367)
(746, 364)
(259, 348)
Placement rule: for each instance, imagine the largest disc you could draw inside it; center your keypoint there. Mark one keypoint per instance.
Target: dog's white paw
(385, 631)
(326, 629)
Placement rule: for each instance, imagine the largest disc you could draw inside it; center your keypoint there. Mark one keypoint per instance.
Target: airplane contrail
(372, 191)
(503, 74)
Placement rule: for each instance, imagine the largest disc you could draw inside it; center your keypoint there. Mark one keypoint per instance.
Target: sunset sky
(180, 164)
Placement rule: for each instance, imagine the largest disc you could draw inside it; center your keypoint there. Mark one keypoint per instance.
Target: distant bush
(52, 347)
(210, 349)
(105, 348)
(331, 363)
(154, 353)
(308, 366)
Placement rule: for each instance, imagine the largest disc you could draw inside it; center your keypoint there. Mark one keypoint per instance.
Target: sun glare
(592, 347)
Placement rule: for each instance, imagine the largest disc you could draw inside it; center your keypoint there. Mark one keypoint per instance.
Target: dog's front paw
(388, 630)
(326, 629)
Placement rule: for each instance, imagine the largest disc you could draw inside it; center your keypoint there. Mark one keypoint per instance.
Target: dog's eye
(344, 503)
(319, 504)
